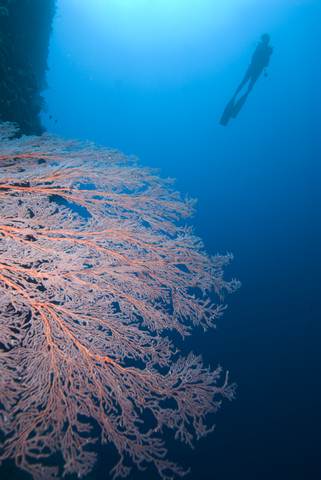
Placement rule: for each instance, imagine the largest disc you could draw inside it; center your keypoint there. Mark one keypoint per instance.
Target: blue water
(153, 82)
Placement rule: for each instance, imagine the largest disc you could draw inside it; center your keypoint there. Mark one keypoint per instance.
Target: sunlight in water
(146, 21)
(154, 39)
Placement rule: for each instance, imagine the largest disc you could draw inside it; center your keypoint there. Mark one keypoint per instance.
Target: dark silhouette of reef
(25, 27)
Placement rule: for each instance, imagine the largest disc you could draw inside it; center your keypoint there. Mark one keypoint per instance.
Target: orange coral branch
(93, 270)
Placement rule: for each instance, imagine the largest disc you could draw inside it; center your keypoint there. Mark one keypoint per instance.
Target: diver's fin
(238, 106)
(227, 114)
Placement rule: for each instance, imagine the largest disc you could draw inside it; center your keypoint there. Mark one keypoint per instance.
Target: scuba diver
(259, 62)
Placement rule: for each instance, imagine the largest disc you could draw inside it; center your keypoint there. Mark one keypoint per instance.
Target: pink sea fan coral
(95, 272)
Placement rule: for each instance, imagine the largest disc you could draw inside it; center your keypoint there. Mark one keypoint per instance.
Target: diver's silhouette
(259, 62)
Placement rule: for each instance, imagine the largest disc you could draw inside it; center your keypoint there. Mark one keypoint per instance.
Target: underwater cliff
(25, 28)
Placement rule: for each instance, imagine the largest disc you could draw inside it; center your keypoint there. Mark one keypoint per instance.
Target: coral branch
(96, 270)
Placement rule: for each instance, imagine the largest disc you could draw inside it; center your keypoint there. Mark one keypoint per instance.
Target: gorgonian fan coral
(95, 272)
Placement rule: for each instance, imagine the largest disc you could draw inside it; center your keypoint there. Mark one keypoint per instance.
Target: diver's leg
(246, 78)
(253, 80)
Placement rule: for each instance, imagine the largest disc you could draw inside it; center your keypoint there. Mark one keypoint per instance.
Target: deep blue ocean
(152, 78)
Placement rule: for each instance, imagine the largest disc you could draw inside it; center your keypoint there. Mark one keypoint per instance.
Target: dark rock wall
(25, 27)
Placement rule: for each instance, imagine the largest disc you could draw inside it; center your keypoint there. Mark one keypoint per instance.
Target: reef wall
(25, 27)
